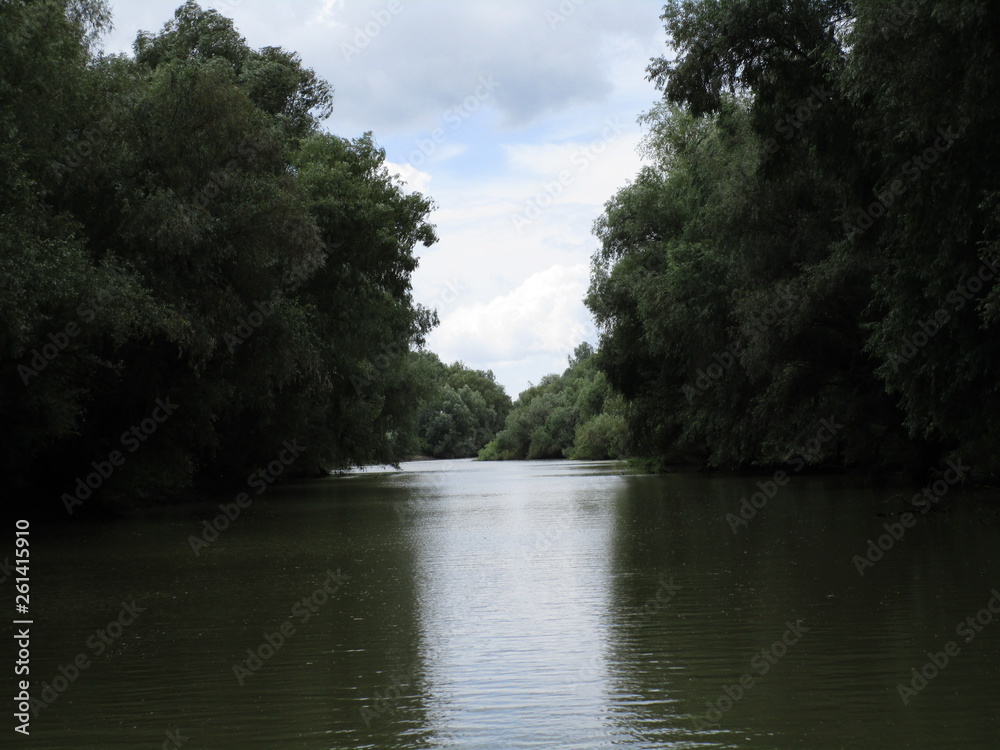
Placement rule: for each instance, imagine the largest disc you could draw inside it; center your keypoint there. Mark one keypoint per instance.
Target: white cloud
(543, 315)
(416, 181)
(328, 12)
(509, 300)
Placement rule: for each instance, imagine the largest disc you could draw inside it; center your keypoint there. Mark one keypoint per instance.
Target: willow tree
(180, 219)
(784, 245)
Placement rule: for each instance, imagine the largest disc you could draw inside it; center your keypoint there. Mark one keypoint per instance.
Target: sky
(516, 117)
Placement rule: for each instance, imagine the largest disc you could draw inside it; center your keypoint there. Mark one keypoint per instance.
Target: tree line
(196, 275)
(573, 415)
(815, 236)
(177, 231)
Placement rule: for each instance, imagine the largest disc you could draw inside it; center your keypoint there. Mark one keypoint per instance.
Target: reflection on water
(522, 605)
(514, 598)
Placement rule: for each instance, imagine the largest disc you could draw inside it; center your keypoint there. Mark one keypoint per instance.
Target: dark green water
(521, 605)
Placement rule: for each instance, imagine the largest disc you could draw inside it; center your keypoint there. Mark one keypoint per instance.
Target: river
(553, 604)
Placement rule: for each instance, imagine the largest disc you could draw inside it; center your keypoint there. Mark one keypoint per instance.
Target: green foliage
(746, 287)
(461, 411)
(175, 225)
(573, 415)
(602, 436)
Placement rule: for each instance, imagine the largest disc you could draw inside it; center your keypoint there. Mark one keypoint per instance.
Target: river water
(548, 604)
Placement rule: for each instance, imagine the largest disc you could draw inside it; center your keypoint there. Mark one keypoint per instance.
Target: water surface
(522, 605)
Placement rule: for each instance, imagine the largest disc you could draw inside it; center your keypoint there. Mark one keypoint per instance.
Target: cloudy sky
(517, 117)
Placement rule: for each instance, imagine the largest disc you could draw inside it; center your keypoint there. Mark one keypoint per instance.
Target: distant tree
(484, 383)
(549, 419)
(460, 412)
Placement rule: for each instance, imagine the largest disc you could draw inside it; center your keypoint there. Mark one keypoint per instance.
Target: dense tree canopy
(573, 415)
(461, 409)
(176, 230)
(814, 237)
(195, 274)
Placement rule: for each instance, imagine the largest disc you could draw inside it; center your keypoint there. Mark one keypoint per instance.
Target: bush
(601, 437)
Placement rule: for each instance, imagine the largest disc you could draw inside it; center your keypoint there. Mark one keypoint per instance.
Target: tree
(460, 412)
(550, 419)
(177, 227)
(57, 298)
(743, 288)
